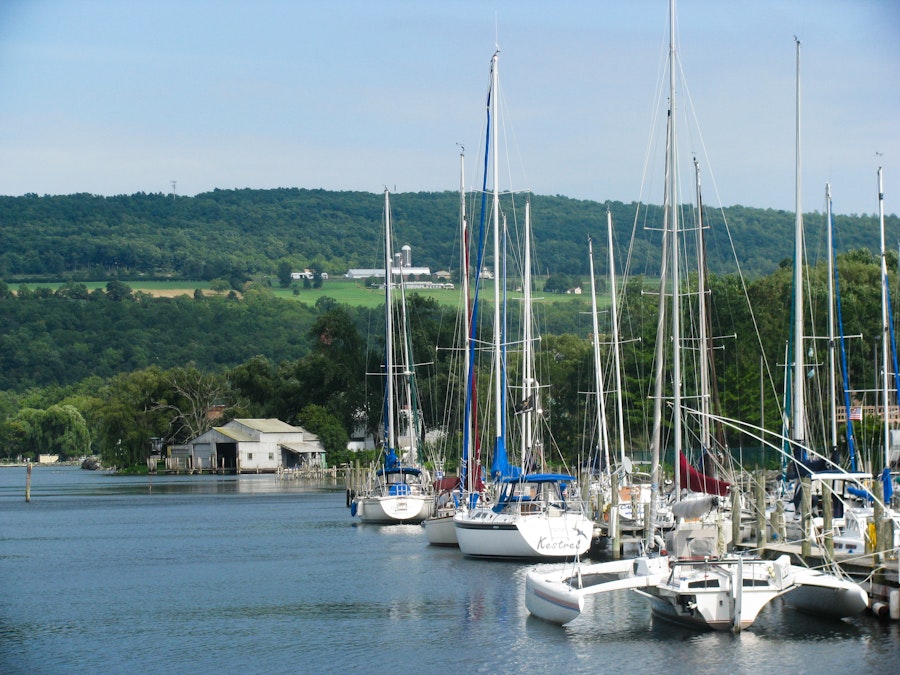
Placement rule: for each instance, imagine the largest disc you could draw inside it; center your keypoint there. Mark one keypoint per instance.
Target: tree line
(238, 235)
(103, 372)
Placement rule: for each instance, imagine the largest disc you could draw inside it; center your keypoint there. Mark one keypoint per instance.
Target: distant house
(361, 439)
(366, 273)
(255, 446)
(401, 264)
(308, 274)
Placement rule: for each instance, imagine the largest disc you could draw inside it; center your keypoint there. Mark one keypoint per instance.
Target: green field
(344, 291)
(355, 294)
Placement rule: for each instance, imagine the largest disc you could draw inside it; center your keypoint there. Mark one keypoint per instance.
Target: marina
(249, 573)
(700, 481)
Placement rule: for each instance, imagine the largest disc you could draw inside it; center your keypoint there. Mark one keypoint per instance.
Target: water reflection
(75, 482)
(249, 573)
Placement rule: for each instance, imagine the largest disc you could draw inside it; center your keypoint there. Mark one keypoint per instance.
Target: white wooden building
(256, 446)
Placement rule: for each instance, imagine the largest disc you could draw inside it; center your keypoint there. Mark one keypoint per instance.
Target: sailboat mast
(388, 326)
(659, 368)
(704, 344)
(602, 429)
(528, 354)
(674, 250)
(410, 410)
(798, 417)
(885, 327)
(469, 464)
(614, 316)
(499, 445)
(832, 346)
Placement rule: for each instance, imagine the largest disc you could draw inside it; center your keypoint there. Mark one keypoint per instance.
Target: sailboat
(851, 531)
(692, 580)
(629, 517)
(399, 491)
(534, 515)
(440, 530)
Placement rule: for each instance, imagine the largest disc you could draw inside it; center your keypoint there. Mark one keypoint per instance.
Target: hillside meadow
(348, 292)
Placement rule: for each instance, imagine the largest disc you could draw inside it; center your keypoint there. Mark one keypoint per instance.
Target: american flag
(856, 414)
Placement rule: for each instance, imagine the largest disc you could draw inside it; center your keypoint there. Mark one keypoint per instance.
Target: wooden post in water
(828, 518)
(28, 483)
(886, 533)
(614, 518)
(878, 519)
(806, 515)
(735, 516)
(760, 486)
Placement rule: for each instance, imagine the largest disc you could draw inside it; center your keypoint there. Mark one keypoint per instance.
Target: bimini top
(398, 470)
(540, 478)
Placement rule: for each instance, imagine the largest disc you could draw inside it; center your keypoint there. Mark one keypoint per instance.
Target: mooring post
(28, 483)
(735, 516)
(614, 518)
(828, 518)
(877, 519)
(761, 527)
(806, 515)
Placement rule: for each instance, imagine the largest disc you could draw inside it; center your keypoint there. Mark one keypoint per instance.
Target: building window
(249, 455)
(271, 456)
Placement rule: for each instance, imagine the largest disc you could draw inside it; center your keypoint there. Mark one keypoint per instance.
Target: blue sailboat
(534, 515)
(400, 491)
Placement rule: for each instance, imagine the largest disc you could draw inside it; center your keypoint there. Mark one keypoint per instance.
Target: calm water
(110, 574)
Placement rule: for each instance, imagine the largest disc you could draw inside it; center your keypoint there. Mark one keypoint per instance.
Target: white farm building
(256, 446)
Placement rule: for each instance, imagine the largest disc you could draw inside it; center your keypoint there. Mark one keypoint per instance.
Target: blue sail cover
(500, 462)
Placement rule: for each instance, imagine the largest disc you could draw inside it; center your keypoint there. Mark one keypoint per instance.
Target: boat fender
(894, 599)
(353, 508)
(880, 609)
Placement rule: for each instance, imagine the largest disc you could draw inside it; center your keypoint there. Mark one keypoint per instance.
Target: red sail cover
(695, 481)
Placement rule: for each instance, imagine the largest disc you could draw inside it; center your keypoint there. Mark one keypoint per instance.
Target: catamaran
(689, 578)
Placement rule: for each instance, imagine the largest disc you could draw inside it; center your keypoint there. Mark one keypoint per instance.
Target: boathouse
(256, 446)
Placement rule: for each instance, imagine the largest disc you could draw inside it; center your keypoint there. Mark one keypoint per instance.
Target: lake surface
(187, 574)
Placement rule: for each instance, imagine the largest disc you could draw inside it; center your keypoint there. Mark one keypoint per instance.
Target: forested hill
(237, 234)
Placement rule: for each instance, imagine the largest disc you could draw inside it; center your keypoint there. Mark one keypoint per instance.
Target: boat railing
(400, 490)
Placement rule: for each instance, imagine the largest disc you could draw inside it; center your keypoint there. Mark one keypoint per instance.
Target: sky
(110, 97)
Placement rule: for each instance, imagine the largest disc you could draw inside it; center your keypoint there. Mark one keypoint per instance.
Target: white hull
(550, 536)
(389, 509)
(825, 595)
(724, 594)
(440, 530)
(558, 594)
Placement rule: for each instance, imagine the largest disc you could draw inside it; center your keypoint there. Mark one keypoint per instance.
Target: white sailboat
(691, 586)
(537, 515)
(440, 530)
(852, 531)
(629, 518)
(400, 491)
(693, 582)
